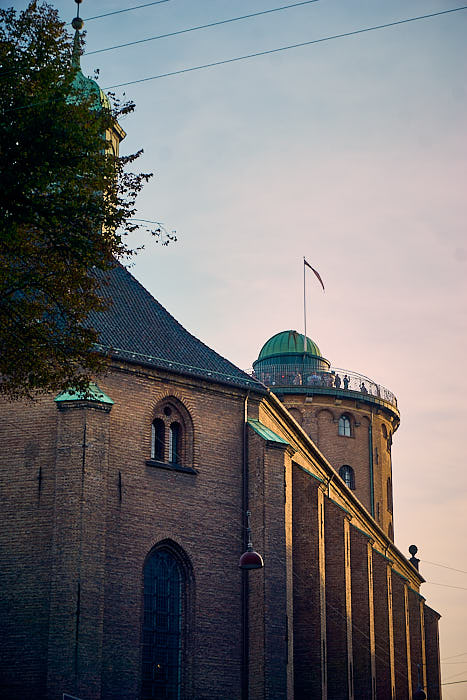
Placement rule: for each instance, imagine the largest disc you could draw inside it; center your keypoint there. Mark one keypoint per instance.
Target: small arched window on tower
(175, 436)
(344, 426)
(158, 441)
(347, 475)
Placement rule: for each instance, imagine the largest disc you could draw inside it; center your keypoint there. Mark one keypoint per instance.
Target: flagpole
(304, 304)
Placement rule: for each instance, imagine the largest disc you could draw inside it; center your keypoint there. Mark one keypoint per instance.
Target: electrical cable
(443, 566)
(127, 9)
(445, 585)
(286, 48)
(202, 26)
(464, 653)
(454, 682)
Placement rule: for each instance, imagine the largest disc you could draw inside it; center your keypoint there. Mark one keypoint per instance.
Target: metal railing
(301, 377)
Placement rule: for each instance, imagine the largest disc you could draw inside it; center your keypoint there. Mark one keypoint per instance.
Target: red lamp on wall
(250, 559)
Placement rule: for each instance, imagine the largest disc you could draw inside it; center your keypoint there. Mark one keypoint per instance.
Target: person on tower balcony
(346, 381)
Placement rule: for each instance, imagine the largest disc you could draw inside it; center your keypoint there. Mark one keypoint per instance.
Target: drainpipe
(370, 450)
(245, 626)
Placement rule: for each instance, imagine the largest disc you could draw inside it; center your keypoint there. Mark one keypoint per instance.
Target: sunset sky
(351, 152)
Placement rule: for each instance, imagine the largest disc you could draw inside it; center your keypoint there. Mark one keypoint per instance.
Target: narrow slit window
(158, 442)
(175, 436)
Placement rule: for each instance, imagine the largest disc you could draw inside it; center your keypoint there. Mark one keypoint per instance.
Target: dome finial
(77, 24)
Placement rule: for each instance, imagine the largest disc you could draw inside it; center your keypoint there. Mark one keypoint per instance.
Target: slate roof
(138, 329)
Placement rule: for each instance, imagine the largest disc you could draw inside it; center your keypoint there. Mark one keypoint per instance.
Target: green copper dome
(86, 88)
(288, 342)
(288, 349)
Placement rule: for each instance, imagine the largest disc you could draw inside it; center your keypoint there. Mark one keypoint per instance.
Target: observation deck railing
(300, 378)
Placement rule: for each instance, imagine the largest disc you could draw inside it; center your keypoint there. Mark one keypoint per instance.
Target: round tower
(348, 416)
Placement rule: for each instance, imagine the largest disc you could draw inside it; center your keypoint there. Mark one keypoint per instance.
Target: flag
(315, 271)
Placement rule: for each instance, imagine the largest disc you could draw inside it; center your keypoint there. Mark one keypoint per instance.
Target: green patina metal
(86, 88)
(288, 349)
(288, 342)
(93, 393)
(265, 433)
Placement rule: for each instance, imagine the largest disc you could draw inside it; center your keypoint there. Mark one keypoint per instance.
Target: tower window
(347, 475)
(344, 426)
(164, 585)
(158, 439)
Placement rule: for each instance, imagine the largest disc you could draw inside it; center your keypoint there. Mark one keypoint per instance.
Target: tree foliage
(66, 206)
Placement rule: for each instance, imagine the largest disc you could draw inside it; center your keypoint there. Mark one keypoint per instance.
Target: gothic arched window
(164, 590)
(172, 435)
(347, 475)
(344, 426)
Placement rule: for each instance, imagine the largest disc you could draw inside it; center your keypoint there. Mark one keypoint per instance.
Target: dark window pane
(348, 476)
(158, 434)
(162, 628)
(175, 433)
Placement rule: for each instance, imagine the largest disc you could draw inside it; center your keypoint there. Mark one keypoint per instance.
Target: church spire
(77, 25)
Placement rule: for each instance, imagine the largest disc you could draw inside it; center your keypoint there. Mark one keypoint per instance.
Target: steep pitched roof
(136, 328)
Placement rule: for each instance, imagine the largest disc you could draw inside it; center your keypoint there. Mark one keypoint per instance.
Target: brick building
(124, 516)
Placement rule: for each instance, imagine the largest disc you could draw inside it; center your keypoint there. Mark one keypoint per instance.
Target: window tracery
(172, 436)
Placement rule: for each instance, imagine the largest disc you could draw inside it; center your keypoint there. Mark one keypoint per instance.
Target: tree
(67, 204)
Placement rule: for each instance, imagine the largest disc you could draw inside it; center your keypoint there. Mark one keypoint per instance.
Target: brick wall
(27, 469)
(361, 630)
(433, 677)
(336, 613)
(320, 418)
(400, 636)
(306, 593)
(382, 646)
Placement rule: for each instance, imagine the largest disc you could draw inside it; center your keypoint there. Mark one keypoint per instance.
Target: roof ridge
(140, 329)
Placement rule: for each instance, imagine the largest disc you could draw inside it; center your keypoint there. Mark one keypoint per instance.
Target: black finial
(413, 549)
(77, 24)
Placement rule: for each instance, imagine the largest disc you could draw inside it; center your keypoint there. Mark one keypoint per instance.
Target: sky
(351, 152)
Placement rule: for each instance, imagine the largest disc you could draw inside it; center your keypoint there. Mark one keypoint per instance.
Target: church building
(189, 531)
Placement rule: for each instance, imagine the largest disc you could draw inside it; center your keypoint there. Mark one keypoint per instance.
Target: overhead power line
(287, 48)
(127, 9)
(443, 566)
(454, 682)
(203, 26)
(445, 585)
(463, 653)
